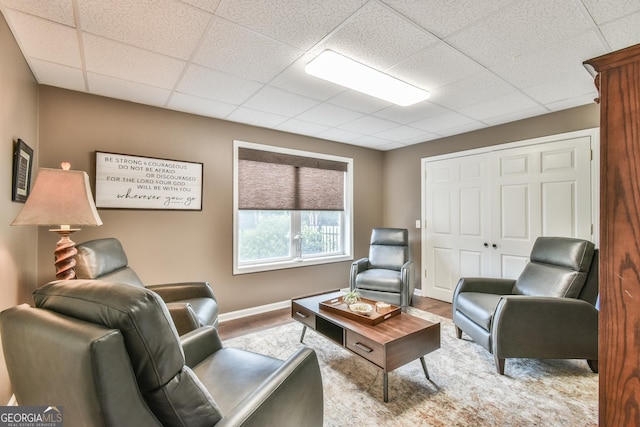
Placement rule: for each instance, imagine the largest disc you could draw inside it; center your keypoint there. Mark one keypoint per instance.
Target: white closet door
(457, 207)
(483, 211)
(538, 190)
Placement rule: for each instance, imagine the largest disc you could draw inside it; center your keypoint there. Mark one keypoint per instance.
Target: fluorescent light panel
(346, 72)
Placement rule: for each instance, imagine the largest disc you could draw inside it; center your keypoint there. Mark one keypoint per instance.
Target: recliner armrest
(180, 291)
(357, 267)
(183, 316)
(199, 344)
(485, 285)
(292, 395)
(541, 327)
(406, 272)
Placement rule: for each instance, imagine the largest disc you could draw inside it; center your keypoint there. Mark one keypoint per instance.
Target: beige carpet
(464, 389)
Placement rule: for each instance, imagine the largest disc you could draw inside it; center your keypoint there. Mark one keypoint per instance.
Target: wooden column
(619, 336)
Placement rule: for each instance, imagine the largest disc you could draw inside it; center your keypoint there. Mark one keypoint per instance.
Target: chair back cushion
(558, 267)
(389, 248)
(105, 259)
(171, 390)
(81, 366)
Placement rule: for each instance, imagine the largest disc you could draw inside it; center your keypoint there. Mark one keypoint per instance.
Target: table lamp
(61, 198)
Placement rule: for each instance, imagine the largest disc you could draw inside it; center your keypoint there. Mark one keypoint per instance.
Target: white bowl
(361, 308)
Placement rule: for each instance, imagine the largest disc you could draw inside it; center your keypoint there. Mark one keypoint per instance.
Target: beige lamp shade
(59, 197)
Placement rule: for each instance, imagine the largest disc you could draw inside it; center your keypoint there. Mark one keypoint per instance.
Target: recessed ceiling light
(346, 72)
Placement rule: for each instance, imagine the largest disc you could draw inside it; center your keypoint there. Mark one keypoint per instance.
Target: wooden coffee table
(387, 345)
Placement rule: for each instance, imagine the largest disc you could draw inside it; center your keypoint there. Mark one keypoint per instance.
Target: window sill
(256, 268)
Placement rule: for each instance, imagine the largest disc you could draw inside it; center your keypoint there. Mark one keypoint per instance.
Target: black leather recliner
(191, 304)
(109, 354)
(547, 313)
(387, 274)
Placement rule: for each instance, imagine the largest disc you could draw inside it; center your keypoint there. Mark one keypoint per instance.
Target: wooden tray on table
(338, 306)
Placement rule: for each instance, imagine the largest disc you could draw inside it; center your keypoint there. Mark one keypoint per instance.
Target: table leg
(385, 386)
(304, 329)
(424, 367)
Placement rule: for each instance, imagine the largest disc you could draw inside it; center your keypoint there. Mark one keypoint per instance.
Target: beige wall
(18, 119)
(167, 246)
(402, 198)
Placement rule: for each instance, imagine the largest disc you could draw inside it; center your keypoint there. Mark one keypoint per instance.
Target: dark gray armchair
(387, 274)
(109, 354)
(191, 304)
(547, 313)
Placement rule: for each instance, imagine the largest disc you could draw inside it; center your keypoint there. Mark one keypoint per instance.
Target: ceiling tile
(297, 23)
(390, 146)
(360, 37)
(552, 61)
(201, 106)
(211, 84)
(372, 142)
(49, 73)
(256, 118)
(571, 85)
(622, 33)
(436, 66)
(401, 134)
(368, 125)
(60, 11)
(329, 115)
(357, 101)
(472, 90)
(410, 114)
(572, 102)
(165, 26)
(518, 115)
(505, 104)
(42, 39)
(301, 127)
(230, 48)
(523, 27)
(456, 130)
(128, 91)
(604, 11)
(125, 62)
(208, 5)
(341, 135)
(443, 121)
(445, 17)
(278, 101)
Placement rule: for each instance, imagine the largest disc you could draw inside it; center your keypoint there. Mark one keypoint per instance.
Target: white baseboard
(232, 315)
(253, 311)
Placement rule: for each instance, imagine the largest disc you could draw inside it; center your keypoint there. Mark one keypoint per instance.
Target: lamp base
(65, 254)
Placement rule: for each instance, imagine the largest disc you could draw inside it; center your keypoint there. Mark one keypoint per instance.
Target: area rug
(464, 389)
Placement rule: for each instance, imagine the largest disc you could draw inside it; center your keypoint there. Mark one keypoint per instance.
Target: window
(291, 208)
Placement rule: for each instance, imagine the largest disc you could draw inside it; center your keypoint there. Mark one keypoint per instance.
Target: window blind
(277, 181)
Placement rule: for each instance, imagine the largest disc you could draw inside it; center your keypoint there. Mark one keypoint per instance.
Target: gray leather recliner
(547, 313)
(109, 354)
(387, 274)
(191, 304)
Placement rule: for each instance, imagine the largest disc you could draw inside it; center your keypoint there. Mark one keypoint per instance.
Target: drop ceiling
(484, 62)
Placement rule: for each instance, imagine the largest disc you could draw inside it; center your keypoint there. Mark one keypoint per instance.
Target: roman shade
(277, 181)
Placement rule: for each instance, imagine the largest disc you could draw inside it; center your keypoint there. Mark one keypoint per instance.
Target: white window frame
(347, 232)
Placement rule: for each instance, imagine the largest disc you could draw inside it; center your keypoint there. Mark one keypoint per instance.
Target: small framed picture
(22, 164)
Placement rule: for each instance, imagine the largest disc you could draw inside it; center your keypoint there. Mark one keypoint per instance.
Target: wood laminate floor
(238, 327)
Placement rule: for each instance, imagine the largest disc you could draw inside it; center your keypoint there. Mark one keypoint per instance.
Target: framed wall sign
(22, 164)
(133, 182)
